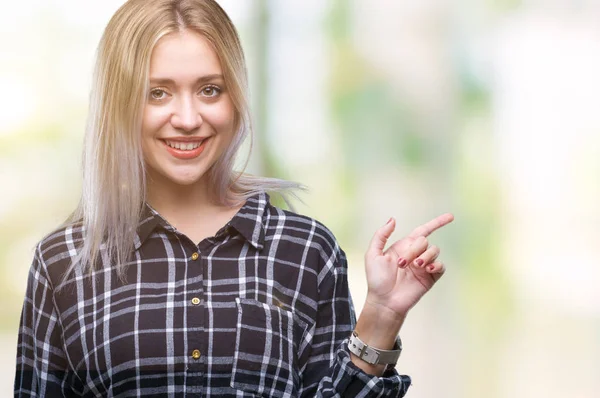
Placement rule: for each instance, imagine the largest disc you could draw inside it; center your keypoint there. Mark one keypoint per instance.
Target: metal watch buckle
(363, 353)
(372, 355)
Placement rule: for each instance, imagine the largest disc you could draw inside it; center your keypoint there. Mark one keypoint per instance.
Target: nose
(186, 115)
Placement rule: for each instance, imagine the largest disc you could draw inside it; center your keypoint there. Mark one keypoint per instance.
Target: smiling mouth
(186, 149)
(184, 146)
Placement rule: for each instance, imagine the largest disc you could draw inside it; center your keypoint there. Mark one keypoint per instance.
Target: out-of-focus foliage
(382, 108)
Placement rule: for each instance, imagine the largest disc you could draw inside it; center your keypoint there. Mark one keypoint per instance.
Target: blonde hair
(114, 186)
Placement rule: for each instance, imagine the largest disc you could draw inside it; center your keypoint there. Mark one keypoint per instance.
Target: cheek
(223, 117)
(154, 118)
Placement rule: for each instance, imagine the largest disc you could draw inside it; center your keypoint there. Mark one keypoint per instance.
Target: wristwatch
(372, 355)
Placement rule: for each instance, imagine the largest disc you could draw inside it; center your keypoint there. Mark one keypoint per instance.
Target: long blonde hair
(114, 186)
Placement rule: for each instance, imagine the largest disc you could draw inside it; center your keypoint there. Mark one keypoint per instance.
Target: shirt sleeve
(41, 363)
(329, 370)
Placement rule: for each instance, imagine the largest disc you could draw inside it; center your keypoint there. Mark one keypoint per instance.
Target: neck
(190, 209)
(173, 201)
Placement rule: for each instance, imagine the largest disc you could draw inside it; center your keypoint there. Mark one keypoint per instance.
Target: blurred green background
(487, 109)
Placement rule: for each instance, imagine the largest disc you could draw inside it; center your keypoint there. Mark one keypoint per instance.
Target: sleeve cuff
(354, 382)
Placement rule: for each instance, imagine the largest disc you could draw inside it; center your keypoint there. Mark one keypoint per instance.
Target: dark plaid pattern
(260, 309)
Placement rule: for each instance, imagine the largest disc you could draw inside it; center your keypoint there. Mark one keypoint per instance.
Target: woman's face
(188, 117)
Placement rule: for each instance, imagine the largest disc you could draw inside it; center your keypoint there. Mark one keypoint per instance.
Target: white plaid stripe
(274, 312)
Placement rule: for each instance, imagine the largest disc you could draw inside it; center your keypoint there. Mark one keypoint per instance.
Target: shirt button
(196, 354)
(195, 256)
(195, 301)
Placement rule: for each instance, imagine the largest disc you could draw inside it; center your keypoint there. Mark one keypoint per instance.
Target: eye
(157, 94)
(210, 91)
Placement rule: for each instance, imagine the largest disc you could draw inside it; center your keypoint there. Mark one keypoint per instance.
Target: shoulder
(307, 233)
(299, 226)
(55, 252)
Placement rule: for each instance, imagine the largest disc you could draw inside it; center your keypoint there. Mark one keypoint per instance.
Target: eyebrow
(203, 79)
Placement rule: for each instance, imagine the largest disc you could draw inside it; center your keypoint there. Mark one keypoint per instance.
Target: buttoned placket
(195, 320)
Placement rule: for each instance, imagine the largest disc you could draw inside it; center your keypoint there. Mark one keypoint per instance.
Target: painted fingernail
(419, 262)
(390, 220)
(431, 268)
(401, 262)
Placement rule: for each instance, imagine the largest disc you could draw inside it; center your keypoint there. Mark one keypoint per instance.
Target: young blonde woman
(175, 276)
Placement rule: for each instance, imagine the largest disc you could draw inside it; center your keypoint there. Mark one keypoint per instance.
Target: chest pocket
(266, 349)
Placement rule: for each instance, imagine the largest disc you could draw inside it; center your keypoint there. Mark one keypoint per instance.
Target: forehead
(183, 56)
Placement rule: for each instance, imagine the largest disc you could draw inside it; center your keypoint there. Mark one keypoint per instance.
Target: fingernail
(431, 268)
(401, 262)
(419, 262)
(390, 220)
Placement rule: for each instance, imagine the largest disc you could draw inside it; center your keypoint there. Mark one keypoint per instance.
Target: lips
(188, 149)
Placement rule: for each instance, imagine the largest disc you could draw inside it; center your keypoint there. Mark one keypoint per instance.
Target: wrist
(386, 317)
(378, 325)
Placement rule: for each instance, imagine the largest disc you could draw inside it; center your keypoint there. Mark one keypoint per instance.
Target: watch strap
(373, 355)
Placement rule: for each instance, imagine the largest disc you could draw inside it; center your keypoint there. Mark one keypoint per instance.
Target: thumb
(381, 237)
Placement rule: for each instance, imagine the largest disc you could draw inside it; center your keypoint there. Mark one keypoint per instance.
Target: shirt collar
(249, 222)
(149, 220)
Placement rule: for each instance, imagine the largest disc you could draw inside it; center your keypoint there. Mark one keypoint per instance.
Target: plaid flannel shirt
(260, 309)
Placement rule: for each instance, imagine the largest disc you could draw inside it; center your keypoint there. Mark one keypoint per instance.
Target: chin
(186, 182)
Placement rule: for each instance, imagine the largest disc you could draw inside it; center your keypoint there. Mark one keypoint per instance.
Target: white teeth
(183, 146)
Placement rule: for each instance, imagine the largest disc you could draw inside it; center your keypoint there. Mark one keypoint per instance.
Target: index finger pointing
(431, 226)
